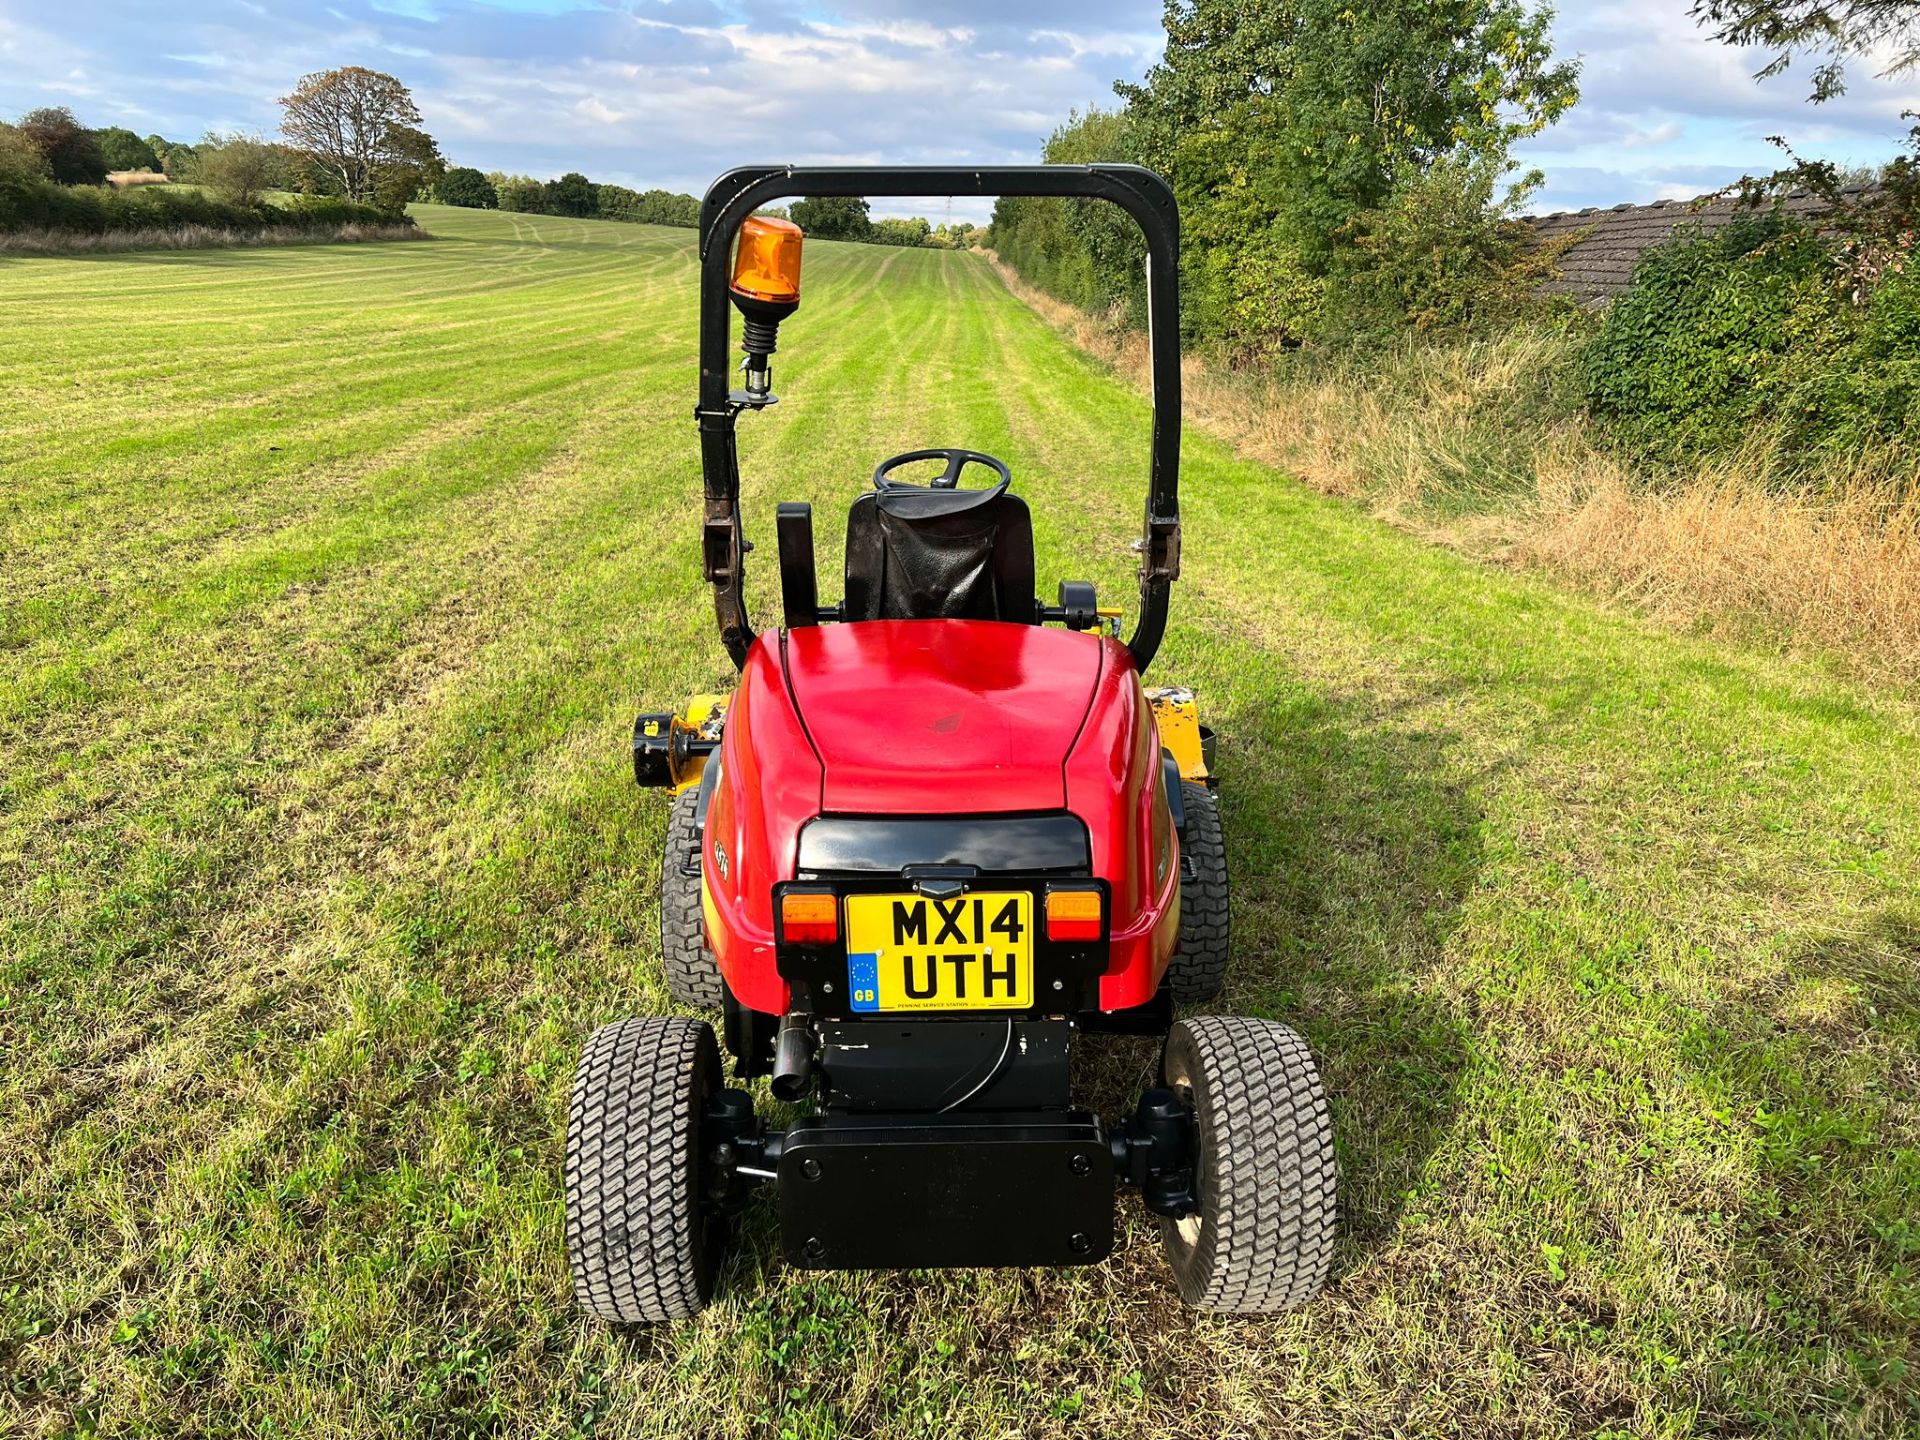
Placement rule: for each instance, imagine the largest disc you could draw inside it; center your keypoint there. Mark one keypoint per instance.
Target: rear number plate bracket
(918, 952)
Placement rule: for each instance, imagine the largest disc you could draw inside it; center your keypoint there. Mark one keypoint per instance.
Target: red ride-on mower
(937, 831)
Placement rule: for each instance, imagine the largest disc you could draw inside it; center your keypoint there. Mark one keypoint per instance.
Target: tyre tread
(1268, 1183)
(1199, 966)
(635, 1239)
(693, 975)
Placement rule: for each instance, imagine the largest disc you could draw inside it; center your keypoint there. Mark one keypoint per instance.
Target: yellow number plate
(910, 952)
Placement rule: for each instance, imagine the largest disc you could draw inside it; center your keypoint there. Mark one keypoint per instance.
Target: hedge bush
(28, 204)
(1749, 328)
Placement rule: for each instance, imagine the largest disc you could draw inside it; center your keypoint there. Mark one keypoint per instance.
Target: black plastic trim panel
(992, 844)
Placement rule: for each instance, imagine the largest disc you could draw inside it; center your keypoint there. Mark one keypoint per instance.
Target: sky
(671, 92)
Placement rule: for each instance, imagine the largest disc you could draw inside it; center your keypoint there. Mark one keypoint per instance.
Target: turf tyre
(693, 975)
(1262, 1241)
(1199, 966)
(642, 1248)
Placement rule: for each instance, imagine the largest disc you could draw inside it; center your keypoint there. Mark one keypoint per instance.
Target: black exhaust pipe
(792, 1058)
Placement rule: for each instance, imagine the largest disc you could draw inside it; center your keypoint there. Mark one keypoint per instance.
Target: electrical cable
(1006, 1049)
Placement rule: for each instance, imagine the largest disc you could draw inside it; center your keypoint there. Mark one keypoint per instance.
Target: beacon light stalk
(765, 289)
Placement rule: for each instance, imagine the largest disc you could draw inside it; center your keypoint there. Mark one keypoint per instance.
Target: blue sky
(670, 92)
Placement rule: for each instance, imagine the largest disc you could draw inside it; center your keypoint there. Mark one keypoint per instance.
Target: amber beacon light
(765, 290)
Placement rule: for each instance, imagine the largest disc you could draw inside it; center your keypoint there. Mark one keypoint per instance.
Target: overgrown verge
(1483, 443)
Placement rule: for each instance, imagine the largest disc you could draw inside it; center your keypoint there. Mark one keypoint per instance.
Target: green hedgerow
(30, 204)
(1748, 328)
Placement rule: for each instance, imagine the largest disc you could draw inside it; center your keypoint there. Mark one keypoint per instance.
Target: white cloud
(1660, 135)
(911, 33)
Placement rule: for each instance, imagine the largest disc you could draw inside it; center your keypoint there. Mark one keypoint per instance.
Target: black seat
(917, 554)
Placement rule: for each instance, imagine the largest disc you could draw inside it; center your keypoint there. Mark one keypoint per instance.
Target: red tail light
(809, 919)
(1073, 915)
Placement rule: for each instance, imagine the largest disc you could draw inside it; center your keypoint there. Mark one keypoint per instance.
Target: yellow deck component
(703, 717)
(1177, 714)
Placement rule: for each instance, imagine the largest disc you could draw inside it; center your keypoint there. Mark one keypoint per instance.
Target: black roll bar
(738, 193)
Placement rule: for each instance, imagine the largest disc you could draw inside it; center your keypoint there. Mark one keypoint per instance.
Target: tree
(239, 167)
(70, 149)
(359, 132)
(178, 160)
(467, 187)
(651, 207)
(912, 233)
(519, 193)
(124, 150)
(1088, 253)
(1283, 123)
(665, 207)
(960, 235)
(617, 202)
(573, 194)
(412, 169)
(20, 158)
(833, 217)
(1835, 29)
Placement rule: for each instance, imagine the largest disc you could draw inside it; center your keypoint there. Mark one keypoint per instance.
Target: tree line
(574, 195)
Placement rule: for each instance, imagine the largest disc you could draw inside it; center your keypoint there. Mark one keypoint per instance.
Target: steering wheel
(948, 479)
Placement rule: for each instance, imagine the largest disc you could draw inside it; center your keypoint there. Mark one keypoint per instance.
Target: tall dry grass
(197, 237)
(1480, 444)
(1838, 572)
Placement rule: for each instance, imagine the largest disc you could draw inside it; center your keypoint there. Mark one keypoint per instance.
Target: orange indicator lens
(809, 919)
(1073, 914)
(767, 264)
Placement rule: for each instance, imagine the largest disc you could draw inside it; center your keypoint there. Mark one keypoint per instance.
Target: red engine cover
(941, 717)
(938, 717)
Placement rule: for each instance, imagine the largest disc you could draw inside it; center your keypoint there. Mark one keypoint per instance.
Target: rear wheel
(693, 975)
(1262, 1239)
(643, 1248)
(1199, 965)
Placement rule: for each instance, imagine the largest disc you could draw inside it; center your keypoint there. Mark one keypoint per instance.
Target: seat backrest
(940, 554)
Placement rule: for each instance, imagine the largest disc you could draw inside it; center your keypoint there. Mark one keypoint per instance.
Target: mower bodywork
(927, 842)
(1052, 732)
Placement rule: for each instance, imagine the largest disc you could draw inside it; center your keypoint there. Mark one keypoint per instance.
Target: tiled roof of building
(1599, 264)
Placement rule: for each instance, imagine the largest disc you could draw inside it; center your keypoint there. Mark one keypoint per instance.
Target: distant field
(333, 578)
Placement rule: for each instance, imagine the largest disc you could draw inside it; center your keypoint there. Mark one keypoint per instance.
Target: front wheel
(642, 1246)
(1262, 1239)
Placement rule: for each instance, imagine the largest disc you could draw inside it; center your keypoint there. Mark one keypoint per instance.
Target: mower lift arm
(738, 193)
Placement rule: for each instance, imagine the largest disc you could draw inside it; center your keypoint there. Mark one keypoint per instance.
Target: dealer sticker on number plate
(913, 952)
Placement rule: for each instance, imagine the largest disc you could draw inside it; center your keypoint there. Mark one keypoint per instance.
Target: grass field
(332, 580)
